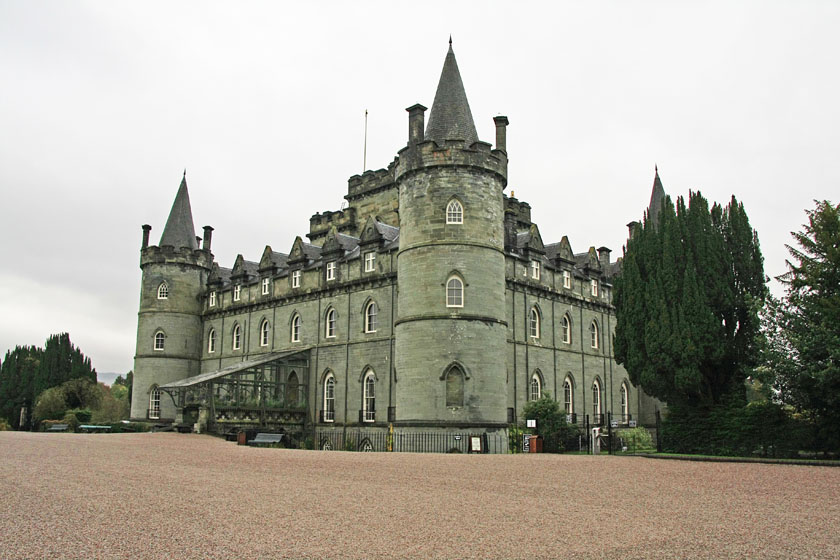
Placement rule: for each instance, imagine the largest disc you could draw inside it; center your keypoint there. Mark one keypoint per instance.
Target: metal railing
(360, 439)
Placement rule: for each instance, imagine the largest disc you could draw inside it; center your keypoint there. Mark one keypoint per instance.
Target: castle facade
(430, 303)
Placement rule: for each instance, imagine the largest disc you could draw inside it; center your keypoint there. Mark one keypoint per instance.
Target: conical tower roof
(657, 197)
(450, 118)
(180, 230)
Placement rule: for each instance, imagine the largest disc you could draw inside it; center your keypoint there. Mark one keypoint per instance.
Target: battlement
(480, 155)
(369, 181)
(167, 254)
(520, 209)
(320, 223)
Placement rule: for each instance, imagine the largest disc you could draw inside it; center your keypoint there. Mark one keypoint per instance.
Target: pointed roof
(657, 197)
(180, 230)
(451, 118)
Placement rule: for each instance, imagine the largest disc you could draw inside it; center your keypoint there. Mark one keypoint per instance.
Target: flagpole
(364, 157)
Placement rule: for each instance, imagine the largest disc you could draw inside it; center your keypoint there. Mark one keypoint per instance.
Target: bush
(50, 405)
(551, 423)
(4, 425)
(83, 415)
(71, 420)
(637, 440)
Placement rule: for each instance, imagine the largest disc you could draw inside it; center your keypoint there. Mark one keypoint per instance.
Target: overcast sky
(103, 105)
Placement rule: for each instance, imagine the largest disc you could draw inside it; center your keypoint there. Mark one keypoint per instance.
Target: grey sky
(103, 104)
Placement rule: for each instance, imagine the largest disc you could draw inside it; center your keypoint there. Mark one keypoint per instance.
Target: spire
(451, 118)
(657, 197)
(179, 230)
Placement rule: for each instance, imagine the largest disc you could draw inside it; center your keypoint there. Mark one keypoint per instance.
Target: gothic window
(454, 212)
(595, 335)
(455, 387)
(454, 292)
(568, 396)
(369, 397)
(211, 341)
(329, 327)
(370, 261)
(625, 403)
(163, 291)
(296, 328)
(160, 340)
(237, 337)
(594, 286)
(535, 270)
(370, 317)
(329, 398)
(330, 271)
(534, 323)
(265, 329)
(266, 283)
(237, 292)
(213, 299)
(596, 400)
(567, 279)
(296, 279)
(154, 403)
(535, 392)
(566, 329)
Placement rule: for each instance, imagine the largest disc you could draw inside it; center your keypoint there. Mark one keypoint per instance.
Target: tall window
(594, 335)
(213, 299)
(154, 403)
(296, 328)
(163, 291)
(567, 279)
(265, 329)
(625, 403)
(369, 399)
(237, 337)
(454, 212)
(329, 398)
(266, 283)
(296, 279)
(160, 340)
(370, 317)
(370, 261)
(292, 390)
(568, 397)
(596, 398)
(535, 270)
(454, 292)
(211, 341)
(594, 285)
(331, 270)
(455, 387)
(329, 327)
(566, 329)
(534, 323)
(536, 387)
(237, 292)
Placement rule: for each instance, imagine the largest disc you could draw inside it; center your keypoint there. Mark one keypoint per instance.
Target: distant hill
(107, 378)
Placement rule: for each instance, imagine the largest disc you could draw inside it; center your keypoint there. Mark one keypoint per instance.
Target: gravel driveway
(192, 496)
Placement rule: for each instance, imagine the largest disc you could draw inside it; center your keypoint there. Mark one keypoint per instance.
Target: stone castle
(429, 304)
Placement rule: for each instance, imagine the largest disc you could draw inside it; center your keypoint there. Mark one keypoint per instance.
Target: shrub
(50, 405)
(637, 440)
(83, 415)
(4, 425)
(71, 420)
(551, 423)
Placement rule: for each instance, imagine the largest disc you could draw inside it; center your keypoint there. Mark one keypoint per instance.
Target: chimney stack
(146, 229)
(501, 132)
(630, 227)
(208, 237)
(416, 124)
(604, 257)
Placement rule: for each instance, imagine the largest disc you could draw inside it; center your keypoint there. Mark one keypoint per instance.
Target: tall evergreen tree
(16, 377)
(61, 362)
(688, 300)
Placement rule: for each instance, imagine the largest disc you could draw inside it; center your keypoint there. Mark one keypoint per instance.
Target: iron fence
(409, 442)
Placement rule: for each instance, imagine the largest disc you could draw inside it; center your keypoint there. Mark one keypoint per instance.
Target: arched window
(625, 403)
(369, 397)
(292, 390)
(211, 341)
(296, 328)
(265, 329)
(454, 212)
(163, 291)
(534, 323)
(455, 387)
(329, 324)
(594, 335)
(535, 393)
(329, 398)
(566, 329)
(370, 317)
(236, 339)
(454, 292)
(568, 396)
(596, 401)
(160, 340)
(154, 403)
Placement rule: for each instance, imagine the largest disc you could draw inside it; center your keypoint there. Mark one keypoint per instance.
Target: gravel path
(190, 496)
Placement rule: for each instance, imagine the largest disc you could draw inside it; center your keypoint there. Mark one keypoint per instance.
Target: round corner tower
(450, 328)
(169, 324)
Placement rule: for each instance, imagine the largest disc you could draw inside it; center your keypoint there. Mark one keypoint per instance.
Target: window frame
(595, 335)
(154, 403)
(370, 261)
(566, 329)
(371, 312)
(296, 278)
(266, 286)
(237, 292)
(296, 327)
(535, 269)
(329, 323)
(236, 337)
(213, 298)
(534, 323)
(536, 381)
(163, 290)
(454, 212)
(330, 271)
(265, 333)
(329, 398)
(567, 279)
(211, 341)
(596, 398)
(369, 397)
(594, 287)
(159, 341)
(458, 300)
(568, 395)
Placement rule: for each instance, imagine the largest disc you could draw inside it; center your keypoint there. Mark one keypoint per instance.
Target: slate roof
(180, 230)
(388, 232)
(450, 118)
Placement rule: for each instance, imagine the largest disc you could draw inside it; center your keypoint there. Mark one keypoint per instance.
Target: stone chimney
(501, 132)
(208, 237)
(416, 124)
(146, 230)
(630, 227)
(604, 257)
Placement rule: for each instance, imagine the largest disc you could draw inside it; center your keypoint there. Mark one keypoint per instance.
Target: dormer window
(594, 284)
(454, 212)
(535, 270)
(266, 283)
(330, 271)
(237, 292)
(296, 279)
(163, 291)
(370, 261)
(567, 279)
(213, 298)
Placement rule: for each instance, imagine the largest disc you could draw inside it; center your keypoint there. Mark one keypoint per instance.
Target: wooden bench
(58, 428)
(88, 428)
(266, 439)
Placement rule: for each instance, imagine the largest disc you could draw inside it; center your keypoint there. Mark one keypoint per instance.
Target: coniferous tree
(61, 362)
(688, 300)
(16, 377)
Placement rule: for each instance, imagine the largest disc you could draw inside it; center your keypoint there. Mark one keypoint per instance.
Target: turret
(169, 331)
(451, 328)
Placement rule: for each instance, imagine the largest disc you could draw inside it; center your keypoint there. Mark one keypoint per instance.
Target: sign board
(526, 443)
(569, 419)
(632, 423)
(614, 424)
(475, 444)
(531, 423)
(457, 438)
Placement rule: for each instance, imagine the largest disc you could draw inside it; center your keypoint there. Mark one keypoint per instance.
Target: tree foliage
(688, 300)
(551, 423)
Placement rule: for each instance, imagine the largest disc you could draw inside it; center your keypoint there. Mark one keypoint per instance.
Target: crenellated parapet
(343, 221)
(370, 182)
(428, 154)
(167, 254)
